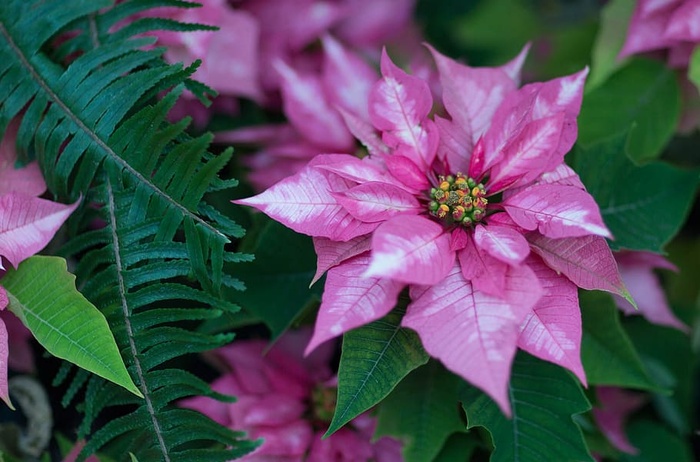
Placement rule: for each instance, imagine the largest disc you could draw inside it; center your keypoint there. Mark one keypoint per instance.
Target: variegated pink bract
(476, 213)
(289, 400)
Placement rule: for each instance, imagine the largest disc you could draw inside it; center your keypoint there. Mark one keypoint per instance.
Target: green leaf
(458, 448)
(614, 18)
(694, 68)
(643, 95)
(543, 398)
(656, 444)
(644, 206)
(668, 356)
(374, 359)
(277, 281)
(42, 294)
(422, 411)
(608, 356)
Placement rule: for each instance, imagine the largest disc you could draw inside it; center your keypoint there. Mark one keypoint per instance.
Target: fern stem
(52, 96)
(127, 323)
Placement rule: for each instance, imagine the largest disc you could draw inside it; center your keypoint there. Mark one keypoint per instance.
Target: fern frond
(156, 268)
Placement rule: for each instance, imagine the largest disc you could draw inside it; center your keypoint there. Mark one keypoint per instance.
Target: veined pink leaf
(455, 147)
(486, 273)
(308, 110)
(304, 203)
(351, 299)
(411, 249)
(27, 180)
(365, 133)
(27, 224)
(473, 334)
(376, 202)
(562, 175)
(683, 23)
(259, 134)
(332, 253)
(399, 105)
(502, 243)
(637, 271)
(472, 95)
(354, 169)
(587, 261)
(513, 67)
(531, 153)
(347, 78)
(557, 211)
(553, 330)
(615, 406)
(407, 172)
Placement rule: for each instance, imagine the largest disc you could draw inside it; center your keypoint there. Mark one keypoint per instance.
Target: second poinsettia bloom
(476, 213)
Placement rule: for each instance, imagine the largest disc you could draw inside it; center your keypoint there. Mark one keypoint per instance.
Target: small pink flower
(289, 401)
(637, 270)
(476, 213)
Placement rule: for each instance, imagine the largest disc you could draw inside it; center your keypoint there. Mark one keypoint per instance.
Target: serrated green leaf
(543, 398)
(643, 95)
(644, 206)
(422, 411)
(42, 294)
(608, 356)
(614, 18)
(374, 359)
(656, 444)
(277, 281)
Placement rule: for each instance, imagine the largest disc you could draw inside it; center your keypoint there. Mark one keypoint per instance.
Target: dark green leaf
(694, 68)
(422, 411)
(458, 448)
(543, 398)
(644, 207)
(644, 95)
(608, 356)
(277, 281)
(375, 358)
(656, 444)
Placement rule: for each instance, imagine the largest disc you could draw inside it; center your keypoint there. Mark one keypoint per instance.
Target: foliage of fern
(156, 267)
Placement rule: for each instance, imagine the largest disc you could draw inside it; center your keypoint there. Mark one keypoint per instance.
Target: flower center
(323, 403)
(458, 199)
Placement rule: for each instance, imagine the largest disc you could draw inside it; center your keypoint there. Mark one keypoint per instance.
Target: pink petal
(407, 172)
(375, 202)
(486, 273)
(27, 180)
(615, 406)
(645, 33)
(287, 442)
(399, 106)
(502, 243)
(364, 132)
(411, 249)
(587, 261)
(354, 169)
(310, 113)
(638, 275)
(27, 224)
(556, 211)
(265, 134)
(231, 64)
(344, 445)
(304, 203)
(351, 299)
(22, 357)
(684, 23)
(274, 409)
(531, 153)
(562, 175)
(347, 78)
(455, 145)
(473, 334)
(4, 354)
(371, 23)
(553, 330)
(332, 253)
(472, 95)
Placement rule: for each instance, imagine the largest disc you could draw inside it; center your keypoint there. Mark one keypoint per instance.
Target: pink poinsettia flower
(637, 270)
(476, 214)
(288, 401)
(317, 107)
(664, 25)
(27, 224)
(615, 405)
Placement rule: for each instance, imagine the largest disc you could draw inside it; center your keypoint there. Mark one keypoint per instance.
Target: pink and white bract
(476, 213)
